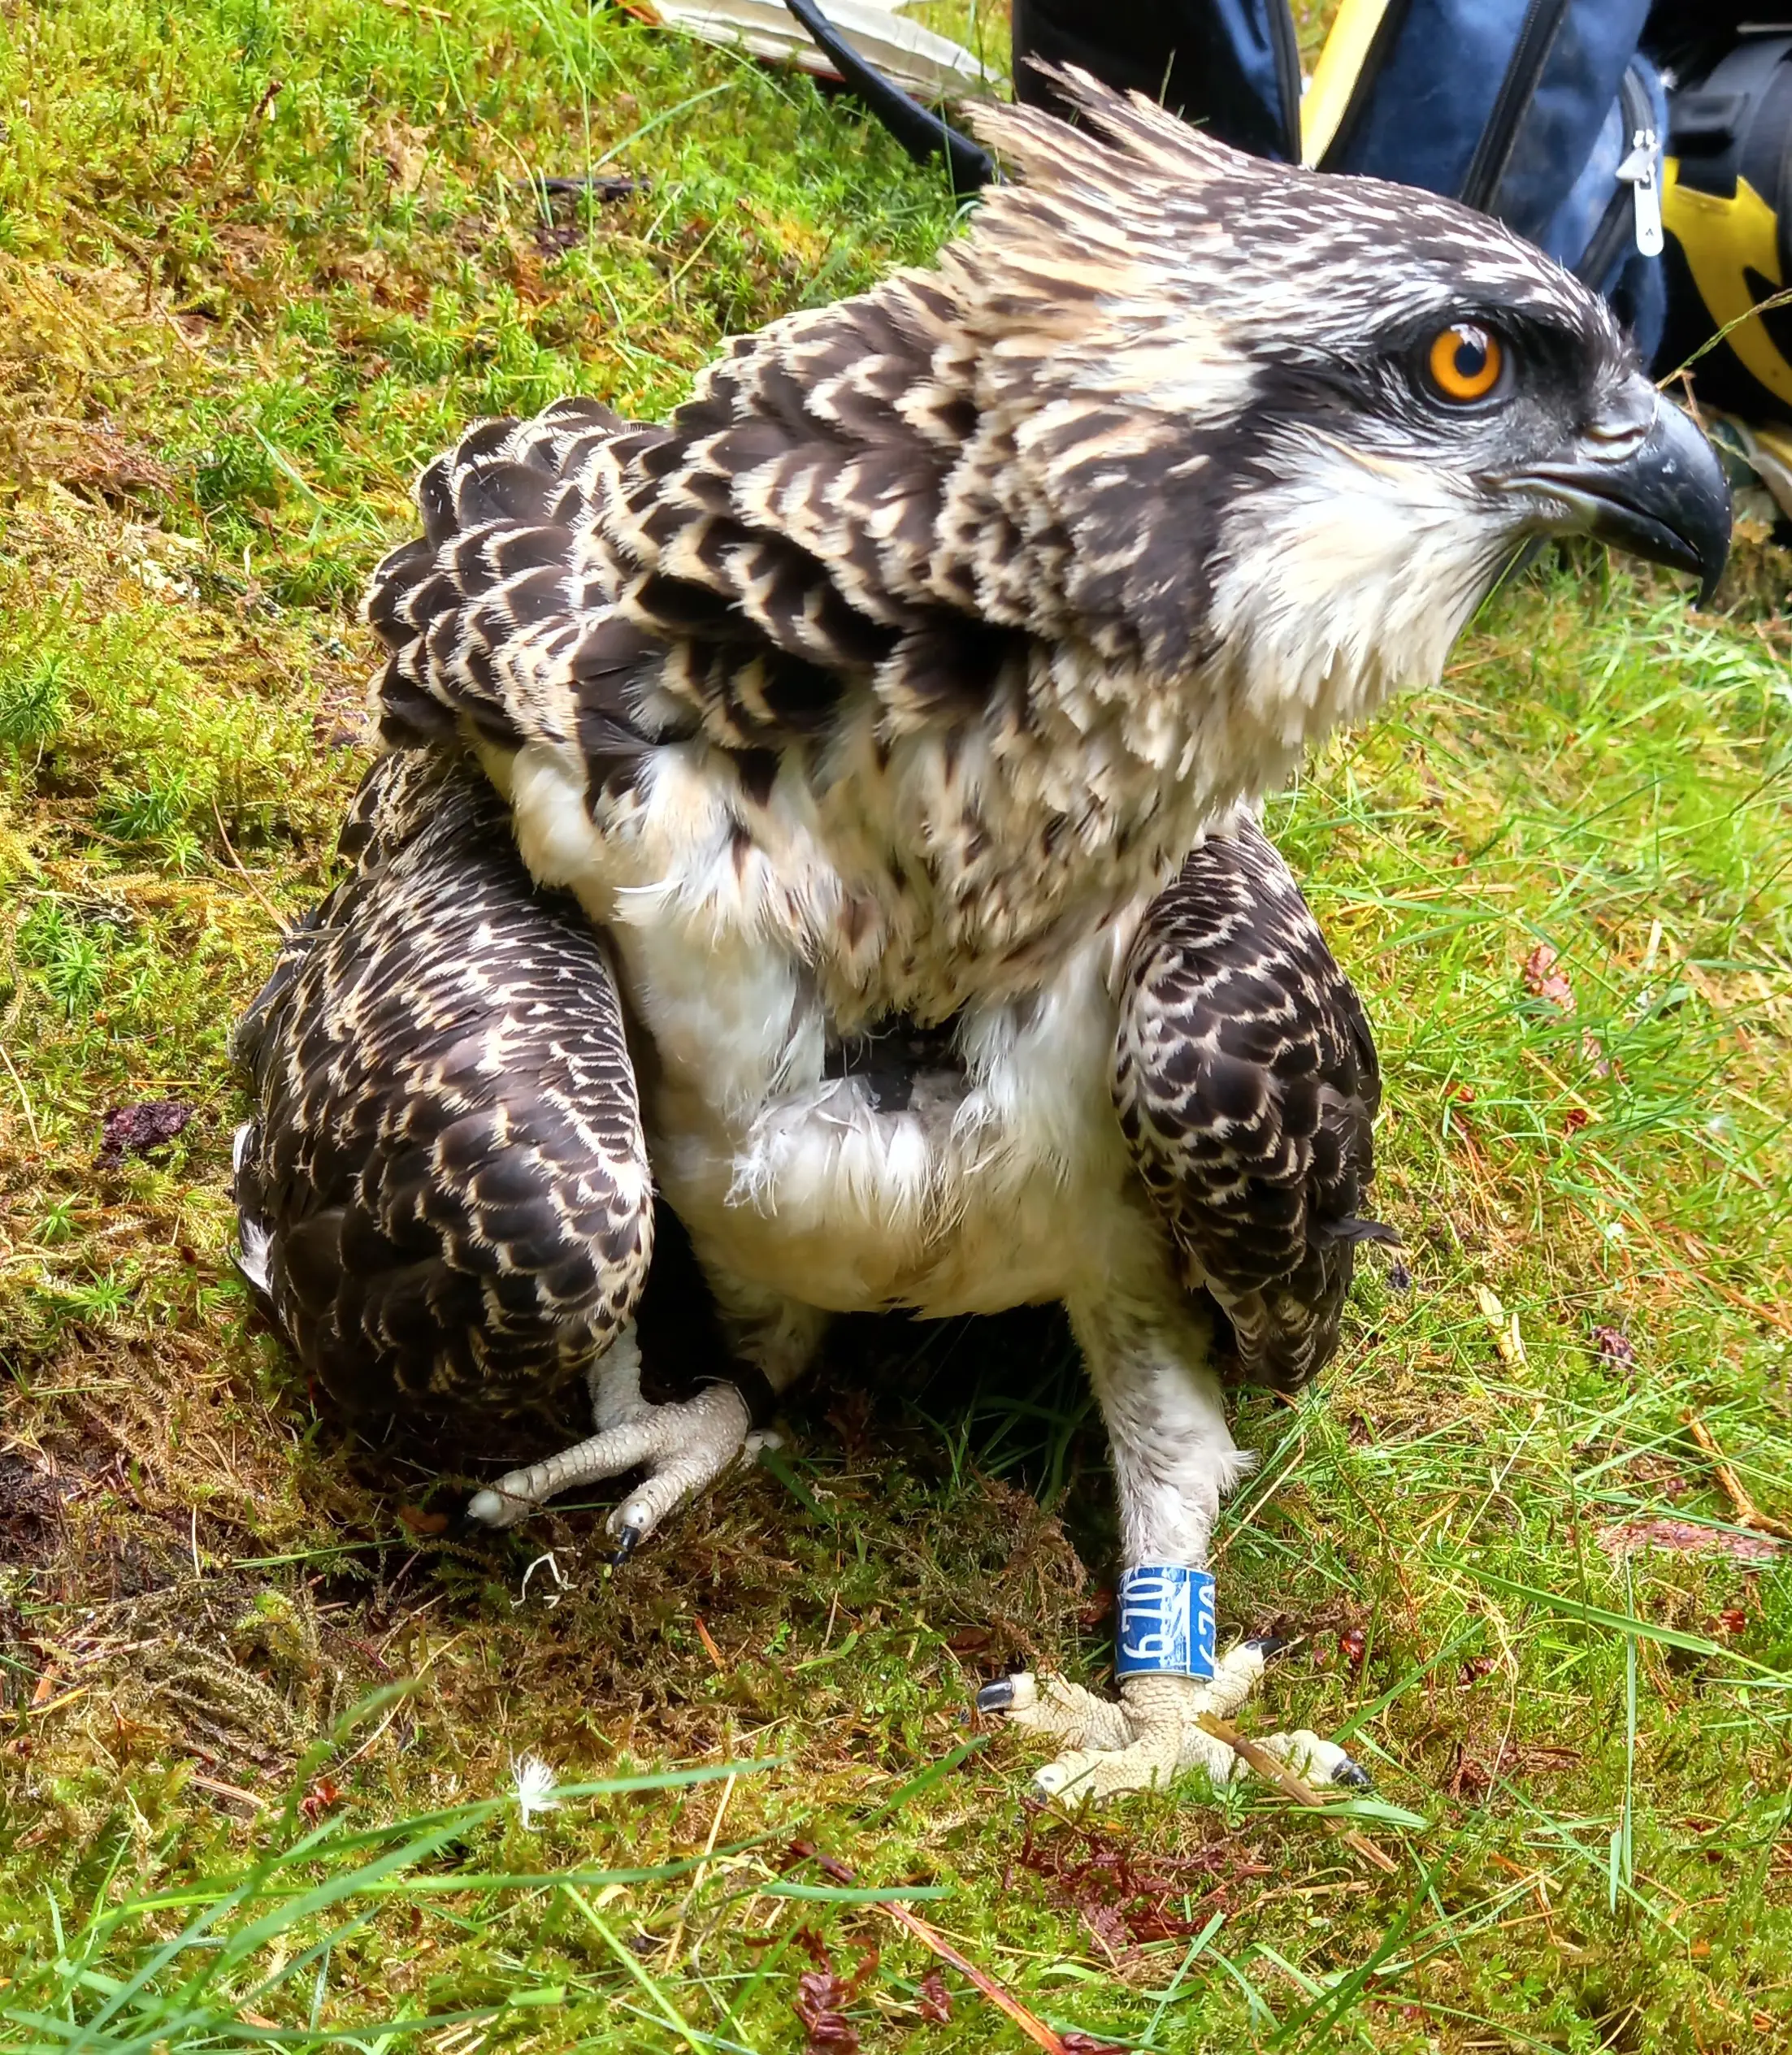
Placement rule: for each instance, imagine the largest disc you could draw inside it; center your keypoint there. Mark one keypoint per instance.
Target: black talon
(997, 1697)
(1352, 1775)
(628, 1539)
(1270, 1645)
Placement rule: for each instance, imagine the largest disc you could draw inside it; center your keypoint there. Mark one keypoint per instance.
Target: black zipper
(1637, 111)
(1536, 37)
(1387, 31)
(1286, 48)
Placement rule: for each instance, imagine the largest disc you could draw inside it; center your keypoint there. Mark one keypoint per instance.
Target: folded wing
(443, 1193)
(1246, 1081)
(603, 586)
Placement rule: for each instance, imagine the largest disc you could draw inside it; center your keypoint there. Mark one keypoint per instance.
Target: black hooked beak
(1664, 496)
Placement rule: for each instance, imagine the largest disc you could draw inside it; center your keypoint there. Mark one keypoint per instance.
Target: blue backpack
(1543, 113)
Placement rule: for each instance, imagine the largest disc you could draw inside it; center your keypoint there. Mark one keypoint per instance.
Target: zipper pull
(1641, 172)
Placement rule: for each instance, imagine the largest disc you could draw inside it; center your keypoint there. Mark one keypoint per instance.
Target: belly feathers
(971, 1189)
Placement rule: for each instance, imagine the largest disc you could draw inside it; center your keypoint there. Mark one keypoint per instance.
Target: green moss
(263, 258)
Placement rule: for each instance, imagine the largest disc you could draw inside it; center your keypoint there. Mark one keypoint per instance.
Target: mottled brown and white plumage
(446, 1197)
(1247, 1085)
(896, 713)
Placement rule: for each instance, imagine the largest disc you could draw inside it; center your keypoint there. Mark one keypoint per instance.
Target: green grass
(259, 259)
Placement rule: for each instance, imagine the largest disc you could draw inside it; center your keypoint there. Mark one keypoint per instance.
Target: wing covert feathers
(445, 1189)
(605, 587)
(1247, 1085)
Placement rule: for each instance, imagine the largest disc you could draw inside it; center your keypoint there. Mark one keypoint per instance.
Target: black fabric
(1180, 52)
(1690, 36)
(1733, 122)
(678, 1327)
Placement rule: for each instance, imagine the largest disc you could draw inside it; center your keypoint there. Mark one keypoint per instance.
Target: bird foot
(682, 1447)
(1151, 1733)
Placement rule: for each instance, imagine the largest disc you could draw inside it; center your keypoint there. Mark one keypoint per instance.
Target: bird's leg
(682, 1447)
(1174, 1459)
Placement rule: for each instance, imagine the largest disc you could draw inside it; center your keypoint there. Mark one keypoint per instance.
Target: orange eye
(1464, 362)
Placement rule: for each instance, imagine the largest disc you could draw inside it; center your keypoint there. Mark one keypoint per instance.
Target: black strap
(920, 131)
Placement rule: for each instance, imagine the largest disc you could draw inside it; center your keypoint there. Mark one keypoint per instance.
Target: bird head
(1292, 424)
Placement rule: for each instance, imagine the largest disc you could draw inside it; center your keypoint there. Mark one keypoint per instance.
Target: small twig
(698, 1875)
(229, 1791)
(998, 1994)
(269, 93)
(24, 1098)
(1748, 1514)
(707, 1639)
(123, 237)
(1296, 1787)
(56, 1705)
(599, 189)
(280, 920)
(1771, 1315)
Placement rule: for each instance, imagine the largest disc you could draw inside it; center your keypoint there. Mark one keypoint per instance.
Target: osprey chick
(893, 716)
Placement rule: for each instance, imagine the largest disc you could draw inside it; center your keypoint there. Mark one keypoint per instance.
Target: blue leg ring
(1166, 1622)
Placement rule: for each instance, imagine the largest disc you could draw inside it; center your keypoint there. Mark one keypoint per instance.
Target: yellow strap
(1334, 75)
(1718, 236)
(1778, 442)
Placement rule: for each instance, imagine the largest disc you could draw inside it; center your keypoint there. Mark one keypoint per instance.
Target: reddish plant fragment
(422, 1523)
(1109, 1928)
(1544, 980)
(1732, 1621)
(1575, 1119)
(1354, 1645)
(826, 2031)
(1593, 1055)
(1123, 1895)
(1473, 1779)
(1617, 1351)
(822, 1992)
(935, 1999)
(998, 1993)
(318, 1800)
(1686, 1538)
(136, 1130)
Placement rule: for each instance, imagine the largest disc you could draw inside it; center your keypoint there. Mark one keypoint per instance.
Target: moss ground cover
(258, 259)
